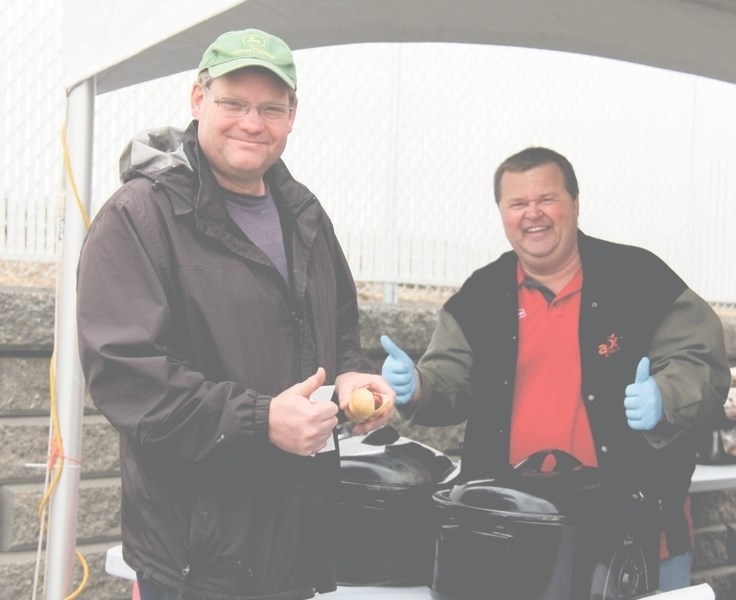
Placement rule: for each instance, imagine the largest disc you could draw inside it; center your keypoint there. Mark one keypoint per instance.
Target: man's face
(539, 217)
(239, 147)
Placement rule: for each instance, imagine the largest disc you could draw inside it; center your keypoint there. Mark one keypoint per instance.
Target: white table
(708, 478)
(115, 565)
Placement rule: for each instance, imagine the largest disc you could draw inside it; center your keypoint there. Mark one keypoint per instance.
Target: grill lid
(570, 489)
(384, 459)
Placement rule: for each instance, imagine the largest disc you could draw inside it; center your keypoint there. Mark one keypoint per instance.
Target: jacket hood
(152, 150)
(171, 156)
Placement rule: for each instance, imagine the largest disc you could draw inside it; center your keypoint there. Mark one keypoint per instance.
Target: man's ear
(196, 99)
(292, 114)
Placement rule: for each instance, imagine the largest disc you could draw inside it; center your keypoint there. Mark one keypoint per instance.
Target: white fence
(30, 229)
(399, 142)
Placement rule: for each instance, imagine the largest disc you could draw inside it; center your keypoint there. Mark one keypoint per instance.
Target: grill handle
(563, 461)
(452, 532)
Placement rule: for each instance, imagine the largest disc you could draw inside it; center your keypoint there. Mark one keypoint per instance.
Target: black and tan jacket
(469, 368)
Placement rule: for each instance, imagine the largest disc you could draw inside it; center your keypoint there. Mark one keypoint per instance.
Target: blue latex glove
(643, 401)
(398, 371)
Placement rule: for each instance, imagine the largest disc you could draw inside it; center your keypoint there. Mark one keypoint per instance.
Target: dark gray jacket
(186, 332)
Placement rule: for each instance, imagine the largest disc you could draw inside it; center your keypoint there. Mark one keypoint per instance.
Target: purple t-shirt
(258, 218)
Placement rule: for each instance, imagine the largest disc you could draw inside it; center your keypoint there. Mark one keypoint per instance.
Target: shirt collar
(573, 286)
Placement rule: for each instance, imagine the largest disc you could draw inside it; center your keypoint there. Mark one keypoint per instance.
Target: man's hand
(346, 383)
(643, 401)
(398, 371)
(298, 425)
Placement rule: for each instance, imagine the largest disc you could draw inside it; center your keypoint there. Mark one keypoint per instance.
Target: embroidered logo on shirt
(611, 345)
(522, 313)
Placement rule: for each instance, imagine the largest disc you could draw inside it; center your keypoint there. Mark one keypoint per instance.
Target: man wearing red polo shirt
(573, 343)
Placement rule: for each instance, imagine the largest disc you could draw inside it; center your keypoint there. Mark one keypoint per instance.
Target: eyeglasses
(237, 108)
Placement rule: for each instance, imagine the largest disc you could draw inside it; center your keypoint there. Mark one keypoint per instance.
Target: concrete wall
(26, 343)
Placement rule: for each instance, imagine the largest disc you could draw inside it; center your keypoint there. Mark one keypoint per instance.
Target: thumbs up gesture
(297, 425)
(398, 371)
(643, 401)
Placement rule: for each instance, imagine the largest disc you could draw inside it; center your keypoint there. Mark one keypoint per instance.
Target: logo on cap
(254, 40)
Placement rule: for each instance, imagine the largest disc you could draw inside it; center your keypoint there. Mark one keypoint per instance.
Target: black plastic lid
(384, 459)
(525, 490)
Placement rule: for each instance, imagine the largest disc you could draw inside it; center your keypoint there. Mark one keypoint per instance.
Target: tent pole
(62, 522)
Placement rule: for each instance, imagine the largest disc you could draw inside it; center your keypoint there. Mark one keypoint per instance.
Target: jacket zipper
(300, 325)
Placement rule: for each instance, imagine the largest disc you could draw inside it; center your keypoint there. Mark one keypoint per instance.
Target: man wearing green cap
(214, 300)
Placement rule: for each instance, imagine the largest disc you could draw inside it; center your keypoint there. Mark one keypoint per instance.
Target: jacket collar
(291, 197)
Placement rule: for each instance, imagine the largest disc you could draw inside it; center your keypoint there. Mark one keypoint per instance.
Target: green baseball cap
(249, 48)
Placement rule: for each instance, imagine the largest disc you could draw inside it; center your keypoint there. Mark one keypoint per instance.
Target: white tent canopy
(132, 42)
(108, 46)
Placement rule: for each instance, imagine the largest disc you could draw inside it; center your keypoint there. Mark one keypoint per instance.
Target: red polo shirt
(548, 410)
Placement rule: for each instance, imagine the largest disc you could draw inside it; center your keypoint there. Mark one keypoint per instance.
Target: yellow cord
(85, 576)
(56, 447)
(56, 444)
(70, 175)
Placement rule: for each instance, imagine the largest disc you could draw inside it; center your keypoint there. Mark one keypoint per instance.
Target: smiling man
(213, 301)
(573, 343)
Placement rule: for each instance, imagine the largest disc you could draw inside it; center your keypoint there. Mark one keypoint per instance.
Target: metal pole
(62, 532)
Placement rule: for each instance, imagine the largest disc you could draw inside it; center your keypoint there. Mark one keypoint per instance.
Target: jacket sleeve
(127, 332)
(444, 372)
(690, 365)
